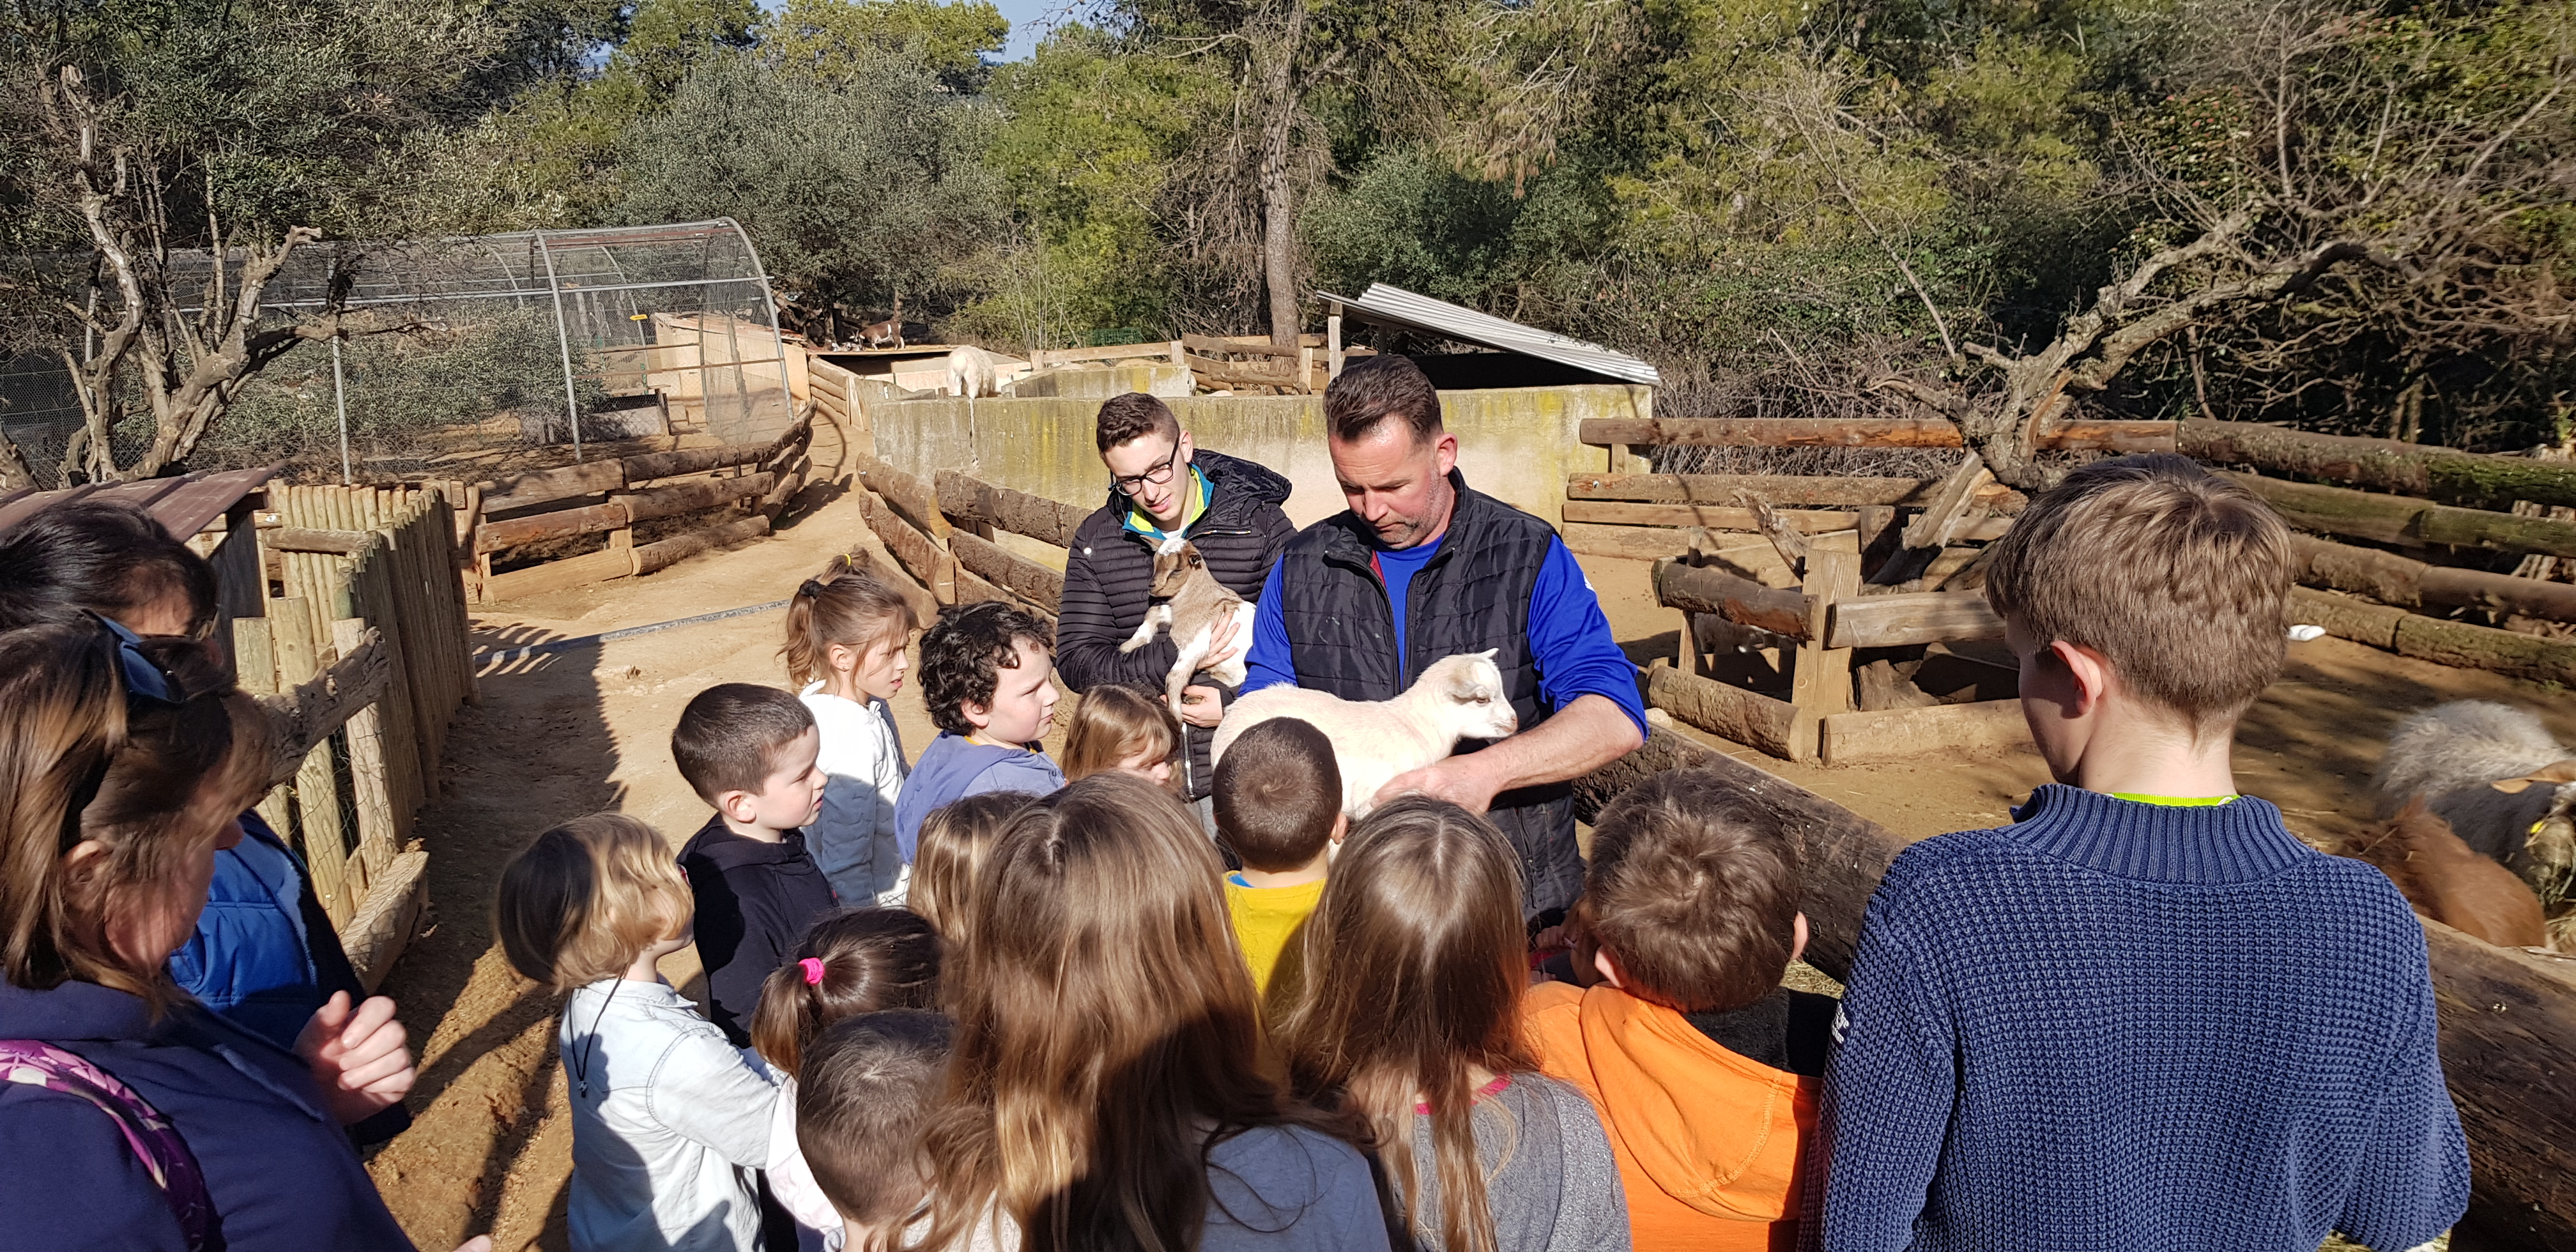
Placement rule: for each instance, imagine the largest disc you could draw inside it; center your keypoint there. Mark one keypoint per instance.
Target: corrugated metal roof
(1394, 306)
(183, 505)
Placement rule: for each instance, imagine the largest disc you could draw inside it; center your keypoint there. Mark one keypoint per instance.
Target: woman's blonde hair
(956, 839)
(1113, 724)
(1106, 1031)
(583, 900)
(1412, 968)
(81, 763)
(845, 604)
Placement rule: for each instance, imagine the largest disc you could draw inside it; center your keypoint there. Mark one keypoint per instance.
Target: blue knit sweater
(2116, 1024)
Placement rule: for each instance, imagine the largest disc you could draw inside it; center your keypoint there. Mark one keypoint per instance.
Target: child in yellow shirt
(1279, 810)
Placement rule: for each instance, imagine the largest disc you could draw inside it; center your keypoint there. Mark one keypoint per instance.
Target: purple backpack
(155, 1143)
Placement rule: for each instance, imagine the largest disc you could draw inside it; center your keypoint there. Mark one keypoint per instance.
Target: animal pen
(1840, 620)
(485, 355)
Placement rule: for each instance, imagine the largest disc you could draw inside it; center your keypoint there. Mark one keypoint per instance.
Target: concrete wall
(1099, 382)
(1516, 444)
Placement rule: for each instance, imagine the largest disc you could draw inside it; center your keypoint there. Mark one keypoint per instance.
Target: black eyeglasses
(1128, 484)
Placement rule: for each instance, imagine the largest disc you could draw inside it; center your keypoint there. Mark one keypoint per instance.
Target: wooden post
(1820, 685)
(317, 790)
(1333, 344)
(367, 776)
(255, 666)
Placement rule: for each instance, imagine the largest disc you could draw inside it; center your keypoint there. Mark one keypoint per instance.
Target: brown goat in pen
(2452, 883)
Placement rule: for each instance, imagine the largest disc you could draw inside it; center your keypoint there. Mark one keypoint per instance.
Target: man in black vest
(1162, 485)
(1422, 567)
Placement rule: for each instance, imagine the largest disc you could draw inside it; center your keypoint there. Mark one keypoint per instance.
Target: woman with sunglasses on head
(264, 953)
(135, 1118)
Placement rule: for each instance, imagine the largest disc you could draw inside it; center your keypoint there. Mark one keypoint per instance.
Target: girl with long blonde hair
(1406, 1017)
(1105, 1092)
(846, 633)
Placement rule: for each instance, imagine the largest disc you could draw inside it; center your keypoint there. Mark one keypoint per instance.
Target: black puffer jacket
(1109, 580)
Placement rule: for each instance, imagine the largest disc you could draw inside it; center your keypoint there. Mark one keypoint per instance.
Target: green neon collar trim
(2175, 802)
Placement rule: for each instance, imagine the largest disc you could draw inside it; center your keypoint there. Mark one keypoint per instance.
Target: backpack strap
(155, 1143)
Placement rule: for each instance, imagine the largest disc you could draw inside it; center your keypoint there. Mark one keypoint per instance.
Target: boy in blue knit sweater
(2143, 1015)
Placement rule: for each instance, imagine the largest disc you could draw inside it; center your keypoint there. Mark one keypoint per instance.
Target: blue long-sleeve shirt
(1568, 635)
(2116, 1024)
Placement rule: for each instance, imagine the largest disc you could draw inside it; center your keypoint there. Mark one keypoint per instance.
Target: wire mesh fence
(483, 356)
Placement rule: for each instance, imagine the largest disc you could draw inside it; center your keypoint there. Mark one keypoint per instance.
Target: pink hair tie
(813, 971)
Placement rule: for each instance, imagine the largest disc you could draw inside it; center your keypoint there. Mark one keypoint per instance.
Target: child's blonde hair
(583, 900)
(846, 604)
(1114, 724)
(955, 839)
(851, 962)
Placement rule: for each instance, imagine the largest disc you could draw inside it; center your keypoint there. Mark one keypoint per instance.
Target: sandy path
(573, 732)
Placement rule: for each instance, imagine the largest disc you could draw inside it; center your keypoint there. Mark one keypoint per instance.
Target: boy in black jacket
(750, 752)
(1162, 486)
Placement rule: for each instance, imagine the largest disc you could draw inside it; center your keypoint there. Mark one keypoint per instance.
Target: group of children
(989, 1002)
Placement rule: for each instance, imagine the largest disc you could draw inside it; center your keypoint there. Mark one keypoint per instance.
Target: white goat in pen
(2502, 781)
(973, 372)
(1457, 697)
(1188, 601)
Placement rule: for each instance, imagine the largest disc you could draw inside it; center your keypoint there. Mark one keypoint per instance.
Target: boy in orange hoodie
(1704, 1068)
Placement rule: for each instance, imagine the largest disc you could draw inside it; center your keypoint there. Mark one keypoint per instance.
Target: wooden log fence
(764, 477)
(956, 556)
(2457, 644)
(2407, 522)
(2408, 584)
(1898, 432)
(2507, 1017)
(1786, 490)
(2471, 478)
(368, 659)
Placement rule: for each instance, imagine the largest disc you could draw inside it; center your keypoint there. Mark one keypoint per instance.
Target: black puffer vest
(1473, 594)
(1109, 583)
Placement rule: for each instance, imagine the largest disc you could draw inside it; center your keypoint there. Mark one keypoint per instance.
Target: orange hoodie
(1711, 1145)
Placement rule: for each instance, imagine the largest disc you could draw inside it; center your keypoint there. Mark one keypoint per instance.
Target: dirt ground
(587, 728)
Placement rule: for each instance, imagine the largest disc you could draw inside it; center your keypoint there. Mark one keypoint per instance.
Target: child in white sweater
(669, 1120)
(846, 632)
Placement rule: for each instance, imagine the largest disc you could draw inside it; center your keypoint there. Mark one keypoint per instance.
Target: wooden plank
(973, 589)
(305, 539)
(1211, 344)
(317, 789)
(910, 495)
(1698, 589)
(1631, 543)
(975, 502)
(2408, 521)
(520, 491)
(680, 547)
(1939, 521)
(255, 671)
(1892, 621)
(560, 524)
(934, 567)
(651, 465)
(1985, 726)
(692, 497)
(1897, 432)
(2396, 580)
(1021, 576)
(1723, 709)
(574, 571)
(2508, 1021)
(367, 765)
(376, 935)
(2469, 478)
(1820, 684)
(1715, 517)
(1779, 489)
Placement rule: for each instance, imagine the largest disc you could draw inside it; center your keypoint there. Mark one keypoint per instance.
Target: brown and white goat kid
(1188, 601)
(1457, 697)
(2452, 883)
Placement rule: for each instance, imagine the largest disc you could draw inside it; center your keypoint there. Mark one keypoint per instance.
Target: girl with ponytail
(846, 633)
(852, 962)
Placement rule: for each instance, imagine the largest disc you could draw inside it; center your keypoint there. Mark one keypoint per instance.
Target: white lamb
(1458, 697)
(972, 372)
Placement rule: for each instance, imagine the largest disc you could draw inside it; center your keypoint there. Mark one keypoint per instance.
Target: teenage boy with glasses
(1162, 486)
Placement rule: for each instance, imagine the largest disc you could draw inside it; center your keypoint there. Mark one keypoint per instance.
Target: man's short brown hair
(1134, 416)
(2180, 578)
(1277, 793)
(1373, 389)
(730, 736)
(1693, 890)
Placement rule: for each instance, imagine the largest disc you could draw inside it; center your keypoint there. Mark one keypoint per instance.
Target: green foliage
(856, 192)
(835, 40)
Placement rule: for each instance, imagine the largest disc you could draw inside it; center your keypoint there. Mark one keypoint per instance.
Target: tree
(835, 40)
(855, 192)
